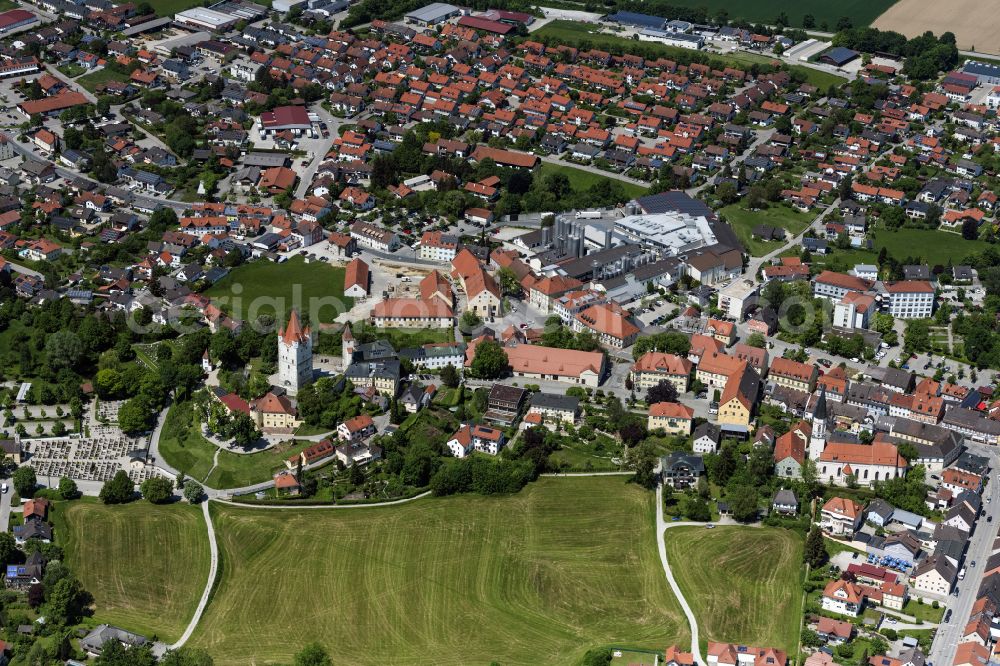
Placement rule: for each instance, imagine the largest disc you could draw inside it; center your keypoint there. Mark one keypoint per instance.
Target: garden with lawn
(743, 222)
(585, 180)
(94, 79)
(183, 447)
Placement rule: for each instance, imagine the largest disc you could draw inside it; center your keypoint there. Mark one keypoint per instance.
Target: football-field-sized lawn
(744, 584)
(146, 565)
(267, 288)
(540, 577)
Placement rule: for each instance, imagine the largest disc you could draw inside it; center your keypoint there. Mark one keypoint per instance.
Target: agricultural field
(267, 288)
(584, 180)
(972, 21)
(171, 7)
(743, 222)
(861, 12)
(540, 577)
(755, 570)
(145, 564)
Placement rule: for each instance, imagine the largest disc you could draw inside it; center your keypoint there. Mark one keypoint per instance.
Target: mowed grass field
(743, 583)
(266, 288)
(933, 246)
(94, 79)
(743, 222)
(584, 180)
(537, 578)
(145, 564)
(861, 12)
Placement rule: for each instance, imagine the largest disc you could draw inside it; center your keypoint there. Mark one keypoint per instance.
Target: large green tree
(815, 549)
(136, 415)
(118, 490)
(490, 361)
(25, 481)
(157, 490)
(313, 654)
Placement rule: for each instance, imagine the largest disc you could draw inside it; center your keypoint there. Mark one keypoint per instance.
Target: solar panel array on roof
(638, 20)
(674, 201)
(839, 55)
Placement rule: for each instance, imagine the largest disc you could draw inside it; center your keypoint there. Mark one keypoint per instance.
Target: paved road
(980, 546)
(140, 200)
(592, 169)
(325, 506)
(5, 509)
(22, 270)
(661, 546)
(762, 137)
(212, 572)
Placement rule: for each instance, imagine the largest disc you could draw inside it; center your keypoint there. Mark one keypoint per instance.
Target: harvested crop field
(976, 24)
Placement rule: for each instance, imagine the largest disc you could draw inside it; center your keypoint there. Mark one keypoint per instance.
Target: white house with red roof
(359, 427)
(841, 516)
(471, 438)
(842, 597)
(294, 119)
(908, 299)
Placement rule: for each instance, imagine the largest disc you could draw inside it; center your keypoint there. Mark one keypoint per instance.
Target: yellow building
(793, 375)
(736, 406)
(655, 367)
(673, 417)
(274, 411)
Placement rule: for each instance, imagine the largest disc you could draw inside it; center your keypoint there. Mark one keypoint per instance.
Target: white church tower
(817, 442)
(347, 346)
(295, 355)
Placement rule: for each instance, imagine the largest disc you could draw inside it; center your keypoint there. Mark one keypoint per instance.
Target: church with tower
(817, 440)
(842, 458)
(295, 356)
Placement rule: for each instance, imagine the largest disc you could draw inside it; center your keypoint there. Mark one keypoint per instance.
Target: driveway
(661, 546)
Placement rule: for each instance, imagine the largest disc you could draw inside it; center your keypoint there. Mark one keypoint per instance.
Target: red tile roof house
(731, 654)
(312, 454)
(843, 597)
(470, 438)
(285, 483)
(356, 428)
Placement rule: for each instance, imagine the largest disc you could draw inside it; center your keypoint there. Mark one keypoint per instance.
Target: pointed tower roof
(293, 330)
(346, 334)
(820, 411)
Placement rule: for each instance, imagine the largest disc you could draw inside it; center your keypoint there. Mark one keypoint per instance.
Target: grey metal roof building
(431, 14)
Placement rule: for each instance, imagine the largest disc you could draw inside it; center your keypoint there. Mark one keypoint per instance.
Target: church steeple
(817, 441)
